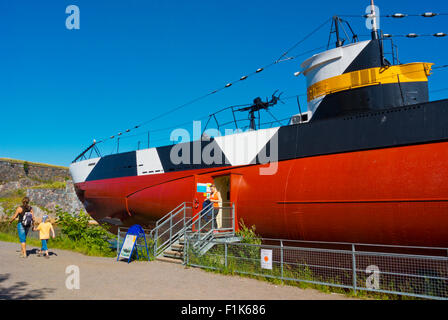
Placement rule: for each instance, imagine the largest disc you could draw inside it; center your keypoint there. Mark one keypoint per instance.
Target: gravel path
(104, 278)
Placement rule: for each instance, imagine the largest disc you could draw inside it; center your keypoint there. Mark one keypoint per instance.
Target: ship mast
(374, 22)
(375, 33)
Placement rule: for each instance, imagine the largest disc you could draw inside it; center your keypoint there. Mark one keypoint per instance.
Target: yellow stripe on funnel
(411, 72)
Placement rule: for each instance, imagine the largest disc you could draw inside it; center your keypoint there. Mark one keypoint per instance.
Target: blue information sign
(134, 233)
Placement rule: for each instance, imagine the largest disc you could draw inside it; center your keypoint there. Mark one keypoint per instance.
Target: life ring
(196, 203)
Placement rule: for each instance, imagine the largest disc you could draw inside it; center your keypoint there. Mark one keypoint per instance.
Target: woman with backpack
(26, 220)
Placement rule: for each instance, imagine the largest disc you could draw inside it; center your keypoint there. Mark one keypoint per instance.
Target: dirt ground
(105, 278)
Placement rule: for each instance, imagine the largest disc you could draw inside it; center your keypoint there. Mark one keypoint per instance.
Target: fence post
(171, 227)
(225, 253)
(185, 235)
(281, 258)
(233, 218)
(118, 242)
(354, 267)
(185, 213)
(156, 240)
(187, 243)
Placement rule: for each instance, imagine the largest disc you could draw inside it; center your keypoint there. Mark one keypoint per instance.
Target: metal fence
(419, 272)
(407, 271)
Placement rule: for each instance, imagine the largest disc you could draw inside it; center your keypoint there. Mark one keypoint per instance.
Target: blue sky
(132, 60)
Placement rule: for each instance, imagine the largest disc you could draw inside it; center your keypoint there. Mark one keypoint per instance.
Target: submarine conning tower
(356, 78)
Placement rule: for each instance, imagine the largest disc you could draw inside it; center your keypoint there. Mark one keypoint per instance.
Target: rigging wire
(240, 120)
(280, 59)
(409, 35)
(397, 15)
(303, 40)
(244, 105)
(415, 35)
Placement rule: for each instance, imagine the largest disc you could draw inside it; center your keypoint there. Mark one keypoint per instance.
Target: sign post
(134, 234)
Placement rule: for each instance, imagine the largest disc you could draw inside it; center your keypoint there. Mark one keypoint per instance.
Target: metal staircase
(200, 229)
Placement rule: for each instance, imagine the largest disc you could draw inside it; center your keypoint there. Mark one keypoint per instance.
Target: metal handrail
(161, 248)
(162, 221)
(202, 240)
(168, 218)
(179, 213)
(171, 239)
(169, 213)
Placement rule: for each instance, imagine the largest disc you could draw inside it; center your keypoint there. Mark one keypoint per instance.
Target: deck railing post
(213, 217)
(199, 228)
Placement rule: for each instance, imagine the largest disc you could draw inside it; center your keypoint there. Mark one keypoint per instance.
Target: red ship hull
(394, 196)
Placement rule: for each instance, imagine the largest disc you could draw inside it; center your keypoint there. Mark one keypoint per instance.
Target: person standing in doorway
(26, 220)
(216, 199)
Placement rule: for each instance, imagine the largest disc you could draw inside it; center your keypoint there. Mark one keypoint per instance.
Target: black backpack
(27, 219)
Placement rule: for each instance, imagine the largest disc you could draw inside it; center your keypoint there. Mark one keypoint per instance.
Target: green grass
(8, 233)
(61, 243)
(32, 163)
(51, 185)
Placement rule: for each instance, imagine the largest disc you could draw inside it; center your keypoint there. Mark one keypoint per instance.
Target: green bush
(247, 234)
(7, 228)
(26, 167)
(78, 230)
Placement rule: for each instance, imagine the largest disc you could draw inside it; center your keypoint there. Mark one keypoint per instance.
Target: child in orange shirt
(44, 234)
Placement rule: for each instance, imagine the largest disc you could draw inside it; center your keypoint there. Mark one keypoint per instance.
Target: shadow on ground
(36, 252)
(19, 290)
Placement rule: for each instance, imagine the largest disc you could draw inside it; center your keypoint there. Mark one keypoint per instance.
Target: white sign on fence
(266, 259)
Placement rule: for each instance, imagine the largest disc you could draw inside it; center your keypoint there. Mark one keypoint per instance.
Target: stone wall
(13, 170)
(16, 180)
(49, 199)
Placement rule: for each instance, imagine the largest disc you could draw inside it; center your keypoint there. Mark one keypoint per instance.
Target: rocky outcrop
(66, 198)
(20, 178)
(9, 188)
(2, 213)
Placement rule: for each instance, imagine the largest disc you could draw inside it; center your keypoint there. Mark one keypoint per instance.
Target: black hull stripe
(115, 166)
